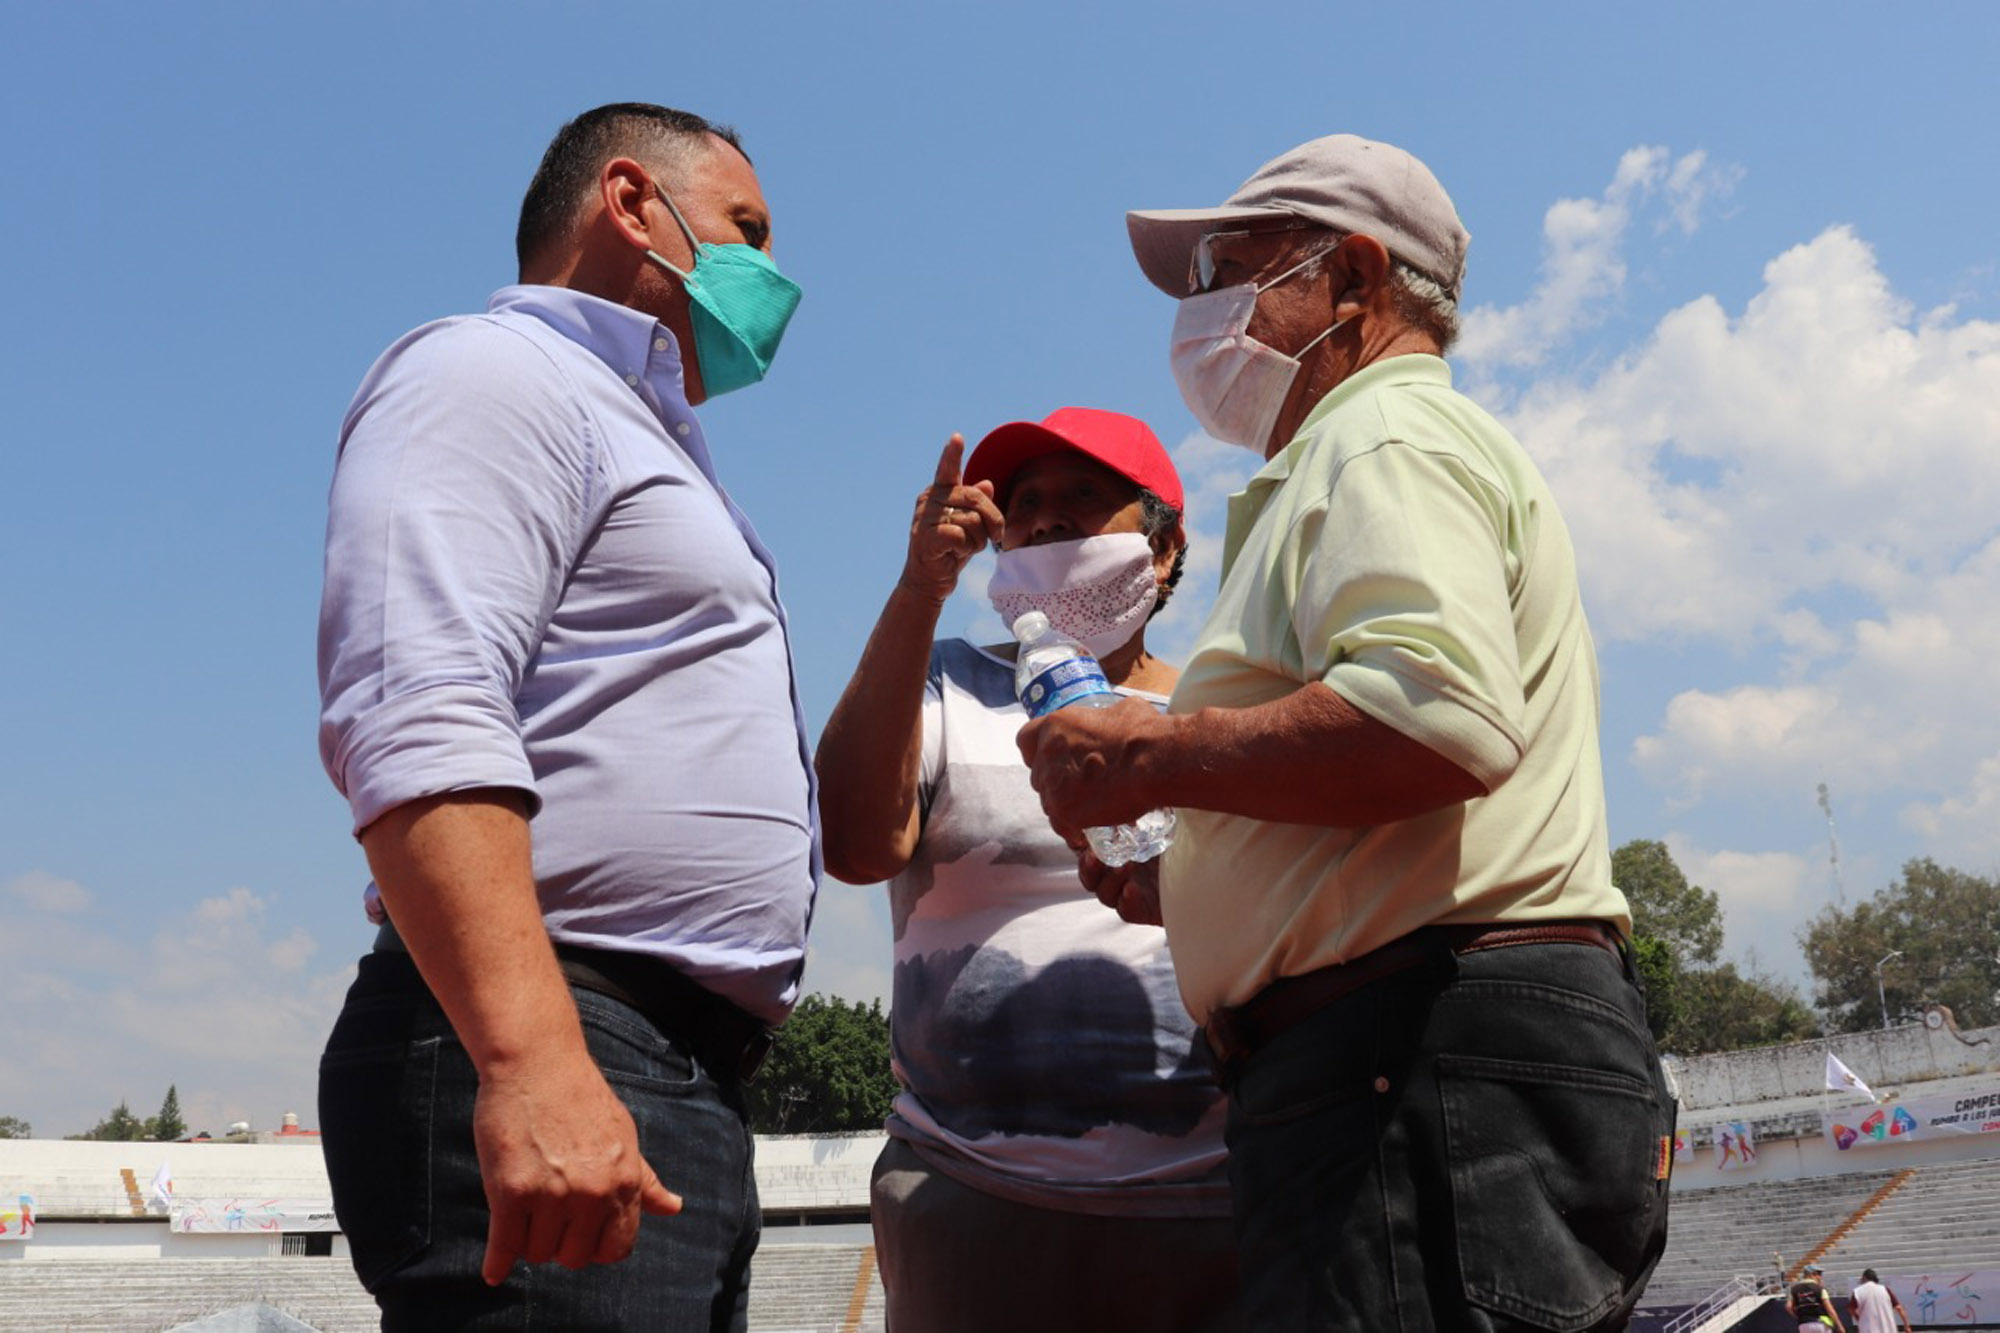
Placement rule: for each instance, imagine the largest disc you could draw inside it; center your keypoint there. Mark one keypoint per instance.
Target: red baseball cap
(1124, 444)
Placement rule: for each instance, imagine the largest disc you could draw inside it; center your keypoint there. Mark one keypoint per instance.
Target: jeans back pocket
(1553, 1186)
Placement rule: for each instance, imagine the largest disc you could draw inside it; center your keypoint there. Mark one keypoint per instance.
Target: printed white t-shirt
(1041, 1043)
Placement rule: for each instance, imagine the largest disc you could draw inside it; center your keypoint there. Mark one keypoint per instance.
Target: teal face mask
(739, 305)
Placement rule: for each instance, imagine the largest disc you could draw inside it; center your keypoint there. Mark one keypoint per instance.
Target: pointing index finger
(949, 469)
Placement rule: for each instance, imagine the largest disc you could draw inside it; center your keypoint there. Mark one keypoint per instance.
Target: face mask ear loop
(1307, 262)
(686, 230)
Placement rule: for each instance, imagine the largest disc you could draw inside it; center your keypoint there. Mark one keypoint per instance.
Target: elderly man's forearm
(1308, 758)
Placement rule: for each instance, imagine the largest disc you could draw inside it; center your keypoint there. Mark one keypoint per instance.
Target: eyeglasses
(1203, 264)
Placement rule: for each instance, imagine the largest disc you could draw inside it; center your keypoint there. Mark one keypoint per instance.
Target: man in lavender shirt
(558, 695)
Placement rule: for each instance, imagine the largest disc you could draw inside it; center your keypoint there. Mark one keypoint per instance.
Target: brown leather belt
(1236, 1033)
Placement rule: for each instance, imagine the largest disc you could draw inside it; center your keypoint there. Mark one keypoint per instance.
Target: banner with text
(216, 1216)
(17, 1217)
(1976, 1112)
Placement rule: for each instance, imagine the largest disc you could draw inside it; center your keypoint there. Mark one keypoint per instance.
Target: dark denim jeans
(1471, 1145)
(396, 1094)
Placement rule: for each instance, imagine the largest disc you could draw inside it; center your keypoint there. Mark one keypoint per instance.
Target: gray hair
(1423, 301)
(1419, 298)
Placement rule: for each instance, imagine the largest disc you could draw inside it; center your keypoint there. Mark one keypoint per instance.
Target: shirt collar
(1410, 368)
(1246, 504)
(637, 347)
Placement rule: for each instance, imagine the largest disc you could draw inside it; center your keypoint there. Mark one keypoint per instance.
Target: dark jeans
(1473, 1144)
(396, 1094)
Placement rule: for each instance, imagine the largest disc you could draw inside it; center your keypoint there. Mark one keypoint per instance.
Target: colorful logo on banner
(17, 1220)
(1880, 1126)
(1683, 1145)
(1735, 1146)
(213, 1216)
(1945, 1300)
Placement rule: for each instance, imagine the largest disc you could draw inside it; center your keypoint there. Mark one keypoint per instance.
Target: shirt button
(633, 380)
(682, 428)
(659, 344)
(1381, 1083)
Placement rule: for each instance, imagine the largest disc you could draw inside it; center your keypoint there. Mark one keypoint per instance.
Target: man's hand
(560, 1161)
(953, 523)
(1131, 890)
(1081, 762)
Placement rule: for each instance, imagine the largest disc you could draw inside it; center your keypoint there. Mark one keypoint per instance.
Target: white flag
(163, 1186)
(1842, 1079)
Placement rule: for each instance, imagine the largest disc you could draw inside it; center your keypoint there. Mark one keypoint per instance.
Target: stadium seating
(1716, 1233)
(1942, 1218)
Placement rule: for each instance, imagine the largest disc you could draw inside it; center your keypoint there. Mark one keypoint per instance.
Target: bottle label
(1062, 685)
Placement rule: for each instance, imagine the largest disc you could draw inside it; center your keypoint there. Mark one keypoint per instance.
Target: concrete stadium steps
(132, 1295)
(1942, 1217)
(810, 1289)
(793, 1289)
(1714, 1234)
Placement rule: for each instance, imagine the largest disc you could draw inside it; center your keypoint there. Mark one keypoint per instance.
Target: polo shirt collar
(1246, 504)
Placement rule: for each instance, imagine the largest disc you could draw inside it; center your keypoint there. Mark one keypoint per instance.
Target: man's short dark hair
(579, 151)
(1868, 1275)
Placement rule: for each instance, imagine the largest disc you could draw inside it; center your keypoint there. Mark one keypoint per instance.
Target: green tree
(1676, 930)
(168, 1126)
(829, 1071)
(121, 1126)
(1721, 1009)
(1662, 974)
(1946, 926)
(12, 1127)
(1683, 916)
(1694, 1005)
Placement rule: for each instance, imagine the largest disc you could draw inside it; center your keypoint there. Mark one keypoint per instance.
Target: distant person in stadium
(1811, 1304)
(541, 605)
(1390, 899)
(1055, 1159)
(1875, 1307)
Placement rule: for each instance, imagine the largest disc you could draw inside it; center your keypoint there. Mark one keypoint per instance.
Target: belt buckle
(755, 1052)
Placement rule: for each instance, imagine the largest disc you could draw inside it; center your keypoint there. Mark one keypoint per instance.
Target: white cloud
(215, 999)
(1968, 823)
(1801, 489)
(1765, 896)
(1583, 261)
(43, 892)
(850, 953)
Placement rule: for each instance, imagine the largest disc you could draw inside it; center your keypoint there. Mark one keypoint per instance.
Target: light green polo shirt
(1404, 550)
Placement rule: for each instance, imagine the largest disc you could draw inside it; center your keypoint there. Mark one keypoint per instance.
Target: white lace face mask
(1098, 590)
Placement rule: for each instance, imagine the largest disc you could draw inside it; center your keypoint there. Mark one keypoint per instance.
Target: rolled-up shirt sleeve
(1402, 604)
(462, 493)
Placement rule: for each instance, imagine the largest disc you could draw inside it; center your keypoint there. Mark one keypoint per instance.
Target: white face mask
(1098, 590)
(1234, 385)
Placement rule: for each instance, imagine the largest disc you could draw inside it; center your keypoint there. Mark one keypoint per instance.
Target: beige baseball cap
(1343, 182)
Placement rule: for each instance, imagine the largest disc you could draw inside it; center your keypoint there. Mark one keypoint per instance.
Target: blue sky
(1732, 280)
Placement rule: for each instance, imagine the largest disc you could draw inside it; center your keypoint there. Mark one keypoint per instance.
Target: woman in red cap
(1055, 1156)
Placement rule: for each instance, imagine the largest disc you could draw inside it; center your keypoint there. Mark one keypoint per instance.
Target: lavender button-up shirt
(534, 580)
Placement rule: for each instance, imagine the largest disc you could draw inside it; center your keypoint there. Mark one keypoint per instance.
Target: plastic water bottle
(1054, 671)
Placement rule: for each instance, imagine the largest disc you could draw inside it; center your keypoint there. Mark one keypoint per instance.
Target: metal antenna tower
(1833, 845)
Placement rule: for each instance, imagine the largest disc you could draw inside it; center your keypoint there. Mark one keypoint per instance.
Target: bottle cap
(1030, 626)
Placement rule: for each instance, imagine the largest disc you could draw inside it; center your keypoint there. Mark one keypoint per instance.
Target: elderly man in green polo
(1390, 901)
